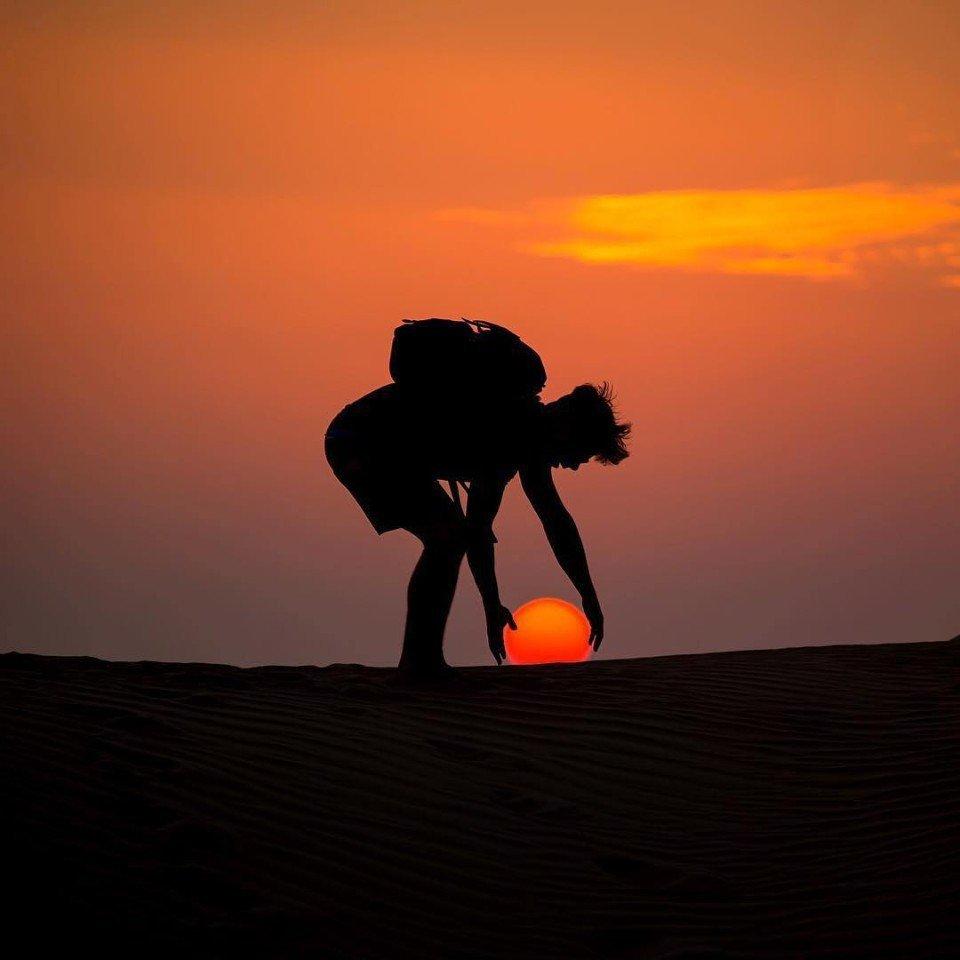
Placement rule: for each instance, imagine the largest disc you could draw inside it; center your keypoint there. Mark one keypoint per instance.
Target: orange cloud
(817, 233)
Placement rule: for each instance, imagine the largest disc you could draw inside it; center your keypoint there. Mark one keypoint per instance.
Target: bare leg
(429, 598)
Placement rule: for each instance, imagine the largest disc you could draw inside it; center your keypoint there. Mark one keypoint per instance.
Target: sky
(744, 215)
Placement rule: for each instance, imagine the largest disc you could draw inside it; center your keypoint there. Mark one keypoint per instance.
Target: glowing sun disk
(548, 631)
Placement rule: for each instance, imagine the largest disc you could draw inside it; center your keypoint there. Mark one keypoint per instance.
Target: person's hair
(596, 421)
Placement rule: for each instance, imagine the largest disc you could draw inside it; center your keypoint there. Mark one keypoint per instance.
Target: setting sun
(548, 631)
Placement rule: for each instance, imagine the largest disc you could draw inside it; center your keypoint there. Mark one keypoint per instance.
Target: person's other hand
(591, 607)
(497, 619)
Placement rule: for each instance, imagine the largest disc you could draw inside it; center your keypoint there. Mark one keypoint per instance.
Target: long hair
(597, 422)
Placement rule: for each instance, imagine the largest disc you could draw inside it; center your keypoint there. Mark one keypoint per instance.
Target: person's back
(400, 431)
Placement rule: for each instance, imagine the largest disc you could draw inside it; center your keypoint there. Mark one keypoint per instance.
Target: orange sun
(548, 631)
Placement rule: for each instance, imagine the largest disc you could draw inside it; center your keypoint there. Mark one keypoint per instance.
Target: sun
(548, 631)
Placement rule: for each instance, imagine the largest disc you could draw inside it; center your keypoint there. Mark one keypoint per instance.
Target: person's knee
(447, 539)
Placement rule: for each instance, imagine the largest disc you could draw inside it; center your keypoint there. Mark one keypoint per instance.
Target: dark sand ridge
(793, 803)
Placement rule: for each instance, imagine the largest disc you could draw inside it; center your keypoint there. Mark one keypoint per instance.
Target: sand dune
(794, 803)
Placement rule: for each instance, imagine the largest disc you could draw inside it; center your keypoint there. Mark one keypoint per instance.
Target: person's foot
(425, 673)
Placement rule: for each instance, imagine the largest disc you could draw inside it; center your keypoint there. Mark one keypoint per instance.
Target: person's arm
(482, 506)
(564, 539)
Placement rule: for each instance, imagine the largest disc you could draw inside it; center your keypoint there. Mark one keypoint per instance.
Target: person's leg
(432, 587)
(420, 505)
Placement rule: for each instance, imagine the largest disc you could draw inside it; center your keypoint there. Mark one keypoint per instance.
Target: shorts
(391, 495)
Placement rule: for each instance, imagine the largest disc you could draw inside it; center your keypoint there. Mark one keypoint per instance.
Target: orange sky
(744, 215)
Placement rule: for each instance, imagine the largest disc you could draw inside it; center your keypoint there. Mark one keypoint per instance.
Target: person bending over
(391, 451)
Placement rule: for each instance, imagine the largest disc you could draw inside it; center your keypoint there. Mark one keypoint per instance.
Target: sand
(793, 803)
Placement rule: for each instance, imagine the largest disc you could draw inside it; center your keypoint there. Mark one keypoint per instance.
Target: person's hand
(498, 618)
(591, 607)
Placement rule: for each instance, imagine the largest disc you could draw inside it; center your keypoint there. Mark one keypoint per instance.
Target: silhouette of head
(582, 425)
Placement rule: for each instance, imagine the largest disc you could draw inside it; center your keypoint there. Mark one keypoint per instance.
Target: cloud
(819, 233)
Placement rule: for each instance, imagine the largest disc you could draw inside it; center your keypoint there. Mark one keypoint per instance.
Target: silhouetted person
(392, 447)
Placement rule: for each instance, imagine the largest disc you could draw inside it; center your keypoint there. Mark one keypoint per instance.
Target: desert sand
(793, 803)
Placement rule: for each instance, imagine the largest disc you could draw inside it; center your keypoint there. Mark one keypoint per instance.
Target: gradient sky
(744, 215)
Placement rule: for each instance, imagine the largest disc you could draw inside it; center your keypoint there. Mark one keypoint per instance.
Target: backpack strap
(455, 494)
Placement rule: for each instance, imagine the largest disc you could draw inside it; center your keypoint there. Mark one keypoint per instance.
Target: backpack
(464, 359)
